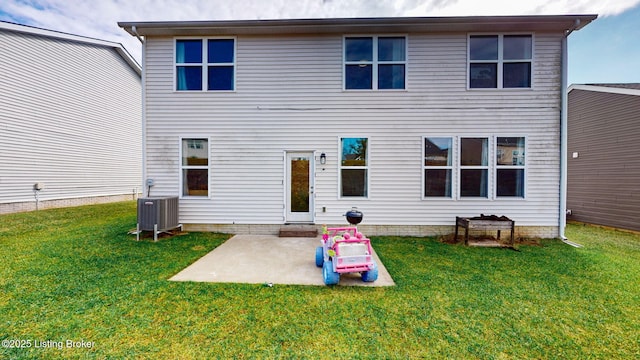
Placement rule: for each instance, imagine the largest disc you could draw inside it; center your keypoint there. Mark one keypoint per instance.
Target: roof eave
(119, 48)
(361, 25)
(605, 89)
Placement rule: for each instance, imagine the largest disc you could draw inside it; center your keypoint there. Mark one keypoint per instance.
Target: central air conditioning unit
(157, 214)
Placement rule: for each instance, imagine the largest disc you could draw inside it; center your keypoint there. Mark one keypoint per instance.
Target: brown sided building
(603, 165)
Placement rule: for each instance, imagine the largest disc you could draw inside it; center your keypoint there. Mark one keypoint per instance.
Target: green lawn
(74, 274)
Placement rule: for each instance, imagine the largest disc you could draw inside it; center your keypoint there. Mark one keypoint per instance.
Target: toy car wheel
(329, 276)
(371, 275)
(319, 256)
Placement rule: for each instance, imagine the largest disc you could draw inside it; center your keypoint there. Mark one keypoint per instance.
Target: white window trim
(183, 167)
(500, 61)
(204, 64)
(523, 167)
(488, 167)
(492, 168)
(452, 167)
(366, 167)
(375, 62)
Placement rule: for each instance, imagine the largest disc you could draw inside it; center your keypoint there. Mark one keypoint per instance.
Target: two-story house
(70, 114)
(255, 124)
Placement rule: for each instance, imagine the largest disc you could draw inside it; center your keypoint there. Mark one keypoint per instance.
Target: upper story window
(375, 62)
(205, 64)
(500, 61)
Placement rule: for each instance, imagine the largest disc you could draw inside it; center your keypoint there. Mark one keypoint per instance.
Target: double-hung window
(500, 61)
(205, 64)
(473, 173)
(510, 167)
(354, 167)
(375, 62)
(474, 167)
(195, 167)
(438, 157)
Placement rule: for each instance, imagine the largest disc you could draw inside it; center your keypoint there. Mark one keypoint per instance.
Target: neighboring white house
(70, 120)
(413, 120)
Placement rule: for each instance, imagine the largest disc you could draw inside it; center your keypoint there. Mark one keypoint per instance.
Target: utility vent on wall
(157, 214)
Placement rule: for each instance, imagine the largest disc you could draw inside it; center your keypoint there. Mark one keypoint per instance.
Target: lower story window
(438, 154)
(510, 167)
(195, 167)
(474, 167)
(354, 167)
(474, 176)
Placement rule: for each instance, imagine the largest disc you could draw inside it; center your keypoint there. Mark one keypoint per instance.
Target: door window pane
(299, 184)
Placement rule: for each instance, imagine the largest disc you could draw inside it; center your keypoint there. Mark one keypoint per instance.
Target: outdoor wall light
(323, 158)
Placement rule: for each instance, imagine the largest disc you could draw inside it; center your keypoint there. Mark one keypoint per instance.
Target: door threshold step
(298, 231)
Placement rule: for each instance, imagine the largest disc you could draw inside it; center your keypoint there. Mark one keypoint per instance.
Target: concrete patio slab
(264, 259)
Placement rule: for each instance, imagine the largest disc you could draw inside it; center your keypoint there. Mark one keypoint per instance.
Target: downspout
(144, 117)
(564, 137)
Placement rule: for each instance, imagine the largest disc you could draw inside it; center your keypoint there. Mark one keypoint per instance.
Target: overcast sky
(608, 50)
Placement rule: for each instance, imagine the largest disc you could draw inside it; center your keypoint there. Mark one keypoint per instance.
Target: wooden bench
(487, 223)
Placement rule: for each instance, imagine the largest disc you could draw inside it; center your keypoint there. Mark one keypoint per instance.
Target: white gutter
(564, 138)
(144, 112)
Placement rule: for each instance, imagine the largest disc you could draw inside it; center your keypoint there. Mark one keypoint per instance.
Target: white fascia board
(605, 89)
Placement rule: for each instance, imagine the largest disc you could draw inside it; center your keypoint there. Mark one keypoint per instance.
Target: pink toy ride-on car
(345, 250)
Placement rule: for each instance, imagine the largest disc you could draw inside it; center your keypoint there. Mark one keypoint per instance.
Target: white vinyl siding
(290, 97)
(70, 118)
